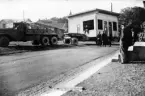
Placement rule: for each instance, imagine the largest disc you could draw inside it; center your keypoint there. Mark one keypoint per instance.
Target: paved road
(20, 71)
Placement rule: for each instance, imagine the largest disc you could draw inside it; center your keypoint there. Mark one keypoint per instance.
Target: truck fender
(4, 41)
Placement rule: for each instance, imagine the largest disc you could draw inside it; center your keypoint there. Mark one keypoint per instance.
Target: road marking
(72, 82)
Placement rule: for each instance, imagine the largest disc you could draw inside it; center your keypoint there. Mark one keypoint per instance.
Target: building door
(110, 29)
(105, 27)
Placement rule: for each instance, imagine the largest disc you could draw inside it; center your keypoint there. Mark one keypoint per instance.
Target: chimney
(144, 4)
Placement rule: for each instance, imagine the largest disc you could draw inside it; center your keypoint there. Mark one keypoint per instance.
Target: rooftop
(94, 10)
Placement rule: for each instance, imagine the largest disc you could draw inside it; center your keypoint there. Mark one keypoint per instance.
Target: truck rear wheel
(44, 41)
(74, 41)
(4, 41)
(67, 40)
(53, 41)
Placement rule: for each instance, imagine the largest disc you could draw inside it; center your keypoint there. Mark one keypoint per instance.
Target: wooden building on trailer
(95, 21)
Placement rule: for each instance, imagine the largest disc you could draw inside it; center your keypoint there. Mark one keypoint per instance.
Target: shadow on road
(136, 62)
(50, 47)
(29, 48)
(114, 44)
(13, 48)
(39, 48)
(130, 62)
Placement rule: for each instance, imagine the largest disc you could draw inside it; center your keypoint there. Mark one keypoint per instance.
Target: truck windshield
(15, 26)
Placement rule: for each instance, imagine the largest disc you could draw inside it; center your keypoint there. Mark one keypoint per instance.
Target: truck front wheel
(53, 41)
(44, 41)
(4, 41)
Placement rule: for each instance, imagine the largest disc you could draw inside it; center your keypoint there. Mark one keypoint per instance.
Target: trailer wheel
(35, 42)
(44, 41)
(74, 41)
(67, 40)
(4, 41)
(53, 41)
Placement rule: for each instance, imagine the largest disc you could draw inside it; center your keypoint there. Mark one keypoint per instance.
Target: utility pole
(111, 7)
(23, 16)
(70, 13)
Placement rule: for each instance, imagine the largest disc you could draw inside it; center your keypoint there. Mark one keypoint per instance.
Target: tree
(131, 15)
(60, 20)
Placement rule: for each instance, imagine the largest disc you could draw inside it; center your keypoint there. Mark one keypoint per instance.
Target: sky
(46, 9)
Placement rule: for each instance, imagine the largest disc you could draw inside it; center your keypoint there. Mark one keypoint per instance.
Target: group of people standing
(103, 39)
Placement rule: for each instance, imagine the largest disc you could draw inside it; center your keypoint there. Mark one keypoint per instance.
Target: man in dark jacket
(99, 39)
(104, 39)
(125, 42)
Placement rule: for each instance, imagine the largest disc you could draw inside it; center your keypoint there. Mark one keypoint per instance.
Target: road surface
(25, 70)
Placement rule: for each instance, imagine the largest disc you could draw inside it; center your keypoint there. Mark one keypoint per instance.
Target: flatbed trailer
(74, 38)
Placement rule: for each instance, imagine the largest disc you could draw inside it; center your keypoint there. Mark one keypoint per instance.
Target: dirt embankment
(19, 47)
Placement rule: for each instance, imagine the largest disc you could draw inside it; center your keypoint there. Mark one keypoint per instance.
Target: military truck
(22, 31)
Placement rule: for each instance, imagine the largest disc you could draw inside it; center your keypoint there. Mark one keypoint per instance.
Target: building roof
(7, 21)
(94, 10)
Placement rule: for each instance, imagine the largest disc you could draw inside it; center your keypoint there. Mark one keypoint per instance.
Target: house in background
(8, 23)
(94, 21)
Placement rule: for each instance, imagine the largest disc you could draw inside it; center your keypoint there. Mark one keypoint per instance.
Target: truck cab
(22, 31)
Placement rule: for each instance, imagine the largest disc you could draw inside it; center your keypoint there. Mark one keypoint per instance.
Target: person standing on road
(110, 40)
(125, 42)
(104, 39)
(99, 39)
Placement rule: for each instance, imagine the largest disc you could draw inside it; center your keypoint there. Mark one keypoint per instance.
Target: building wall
(75, 24)
(108, 18)
(6, 25)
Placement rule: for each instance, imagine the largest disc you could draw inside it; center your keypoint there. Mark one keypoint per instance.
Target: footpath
(115, 79)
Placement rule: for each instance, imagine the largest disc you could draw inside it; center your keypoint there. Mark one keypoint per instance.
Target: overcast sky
(42, 9)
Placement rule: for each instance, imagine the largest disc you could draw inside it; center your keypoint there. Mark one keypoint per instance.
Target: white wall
(78, 20)
(74, 22)
(108, 18)
(7, 25)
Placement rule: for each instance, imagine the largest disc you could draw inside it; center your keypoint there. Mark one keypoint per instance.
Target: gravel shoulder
(114, 80)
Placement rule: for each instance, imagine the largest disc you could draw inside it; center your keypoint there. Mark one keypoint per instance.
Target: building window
(114, 26)
(100, 24)
(88, 25)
